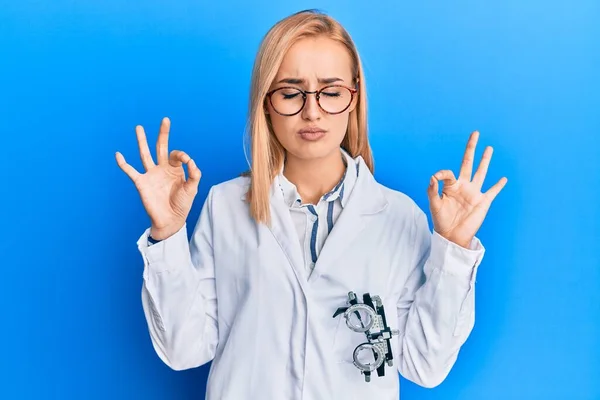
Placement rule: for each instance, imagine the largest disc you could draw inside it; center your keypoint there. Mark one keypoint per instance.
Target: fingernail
(431, 181)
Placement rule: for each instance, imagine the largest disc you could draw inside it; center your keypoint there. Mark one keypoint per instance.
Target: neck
(314, 178)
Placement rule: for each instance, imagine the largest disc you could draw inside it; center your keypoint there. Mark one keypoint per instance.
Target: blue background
(76, 77)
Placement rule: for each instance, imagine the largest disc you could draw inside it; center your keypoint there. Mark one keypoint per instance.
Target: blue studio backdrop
(78, 76)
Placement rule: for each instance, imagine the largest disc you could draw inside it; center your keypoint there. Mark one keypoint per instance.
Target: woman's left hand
(459, 212)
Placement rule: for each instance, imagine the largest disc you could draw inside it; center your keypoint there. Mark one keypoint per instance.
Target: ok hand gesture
(459, 212)
(166, 194)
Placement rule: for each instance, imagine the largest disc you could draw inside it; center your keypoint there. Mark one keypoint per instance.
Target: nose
(311, 110)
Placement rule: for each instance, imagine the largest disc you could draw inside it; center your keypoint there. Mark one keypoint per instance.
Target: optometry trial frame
(369, 318)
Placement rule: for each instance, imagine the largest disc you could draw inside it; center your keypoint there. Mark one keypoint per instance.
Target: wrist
(158, 235)
(151, 240)
(460, 241)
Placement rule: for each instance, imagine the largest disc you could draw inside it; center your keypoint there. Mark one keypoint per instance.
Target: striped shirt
(314, 222)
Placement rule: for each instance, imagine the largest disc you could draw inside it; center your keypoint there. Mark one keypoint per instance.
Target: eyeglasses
(333, 99)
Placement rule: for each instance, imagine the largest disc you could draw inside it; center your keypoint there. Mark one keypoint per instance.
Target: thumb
(433, 193)
(194, 175)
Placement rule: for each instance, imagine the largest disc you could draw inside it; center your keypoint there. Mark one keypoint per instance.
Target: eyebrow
(299, 81)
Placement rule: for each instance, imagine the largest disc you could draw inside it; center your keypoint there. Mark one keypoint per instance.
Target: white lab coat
(238, 294)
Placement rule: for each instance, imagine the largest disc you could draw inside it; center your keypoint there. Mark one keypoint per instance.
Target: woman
(276, 252)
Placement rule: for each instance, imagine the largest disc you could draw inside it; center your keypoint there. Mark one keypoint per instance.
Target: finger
(494, 190)
(128, 169)
(177, 158)
(433, 192)
(162, 144)
(145, 155)
(466, 168)
(483, 167)
(445, 175)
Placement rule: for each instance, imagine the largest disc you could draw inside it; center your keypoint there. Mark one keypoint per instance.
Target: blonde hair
(266, 152)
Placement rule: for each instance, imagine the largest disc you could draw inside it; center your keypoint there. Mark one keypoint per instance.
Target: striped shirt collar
(341, 190)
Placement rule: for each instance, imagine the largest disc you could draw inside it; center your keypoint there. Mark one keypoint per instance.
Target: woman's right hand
(166, 194)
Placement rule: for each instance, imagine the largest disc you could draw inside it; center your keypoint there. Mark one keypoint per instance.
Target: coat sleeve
(436, 306)
(179, 295)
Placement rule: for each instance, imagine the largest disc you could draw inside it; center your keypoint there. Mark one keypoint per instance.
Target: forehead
(318, 57)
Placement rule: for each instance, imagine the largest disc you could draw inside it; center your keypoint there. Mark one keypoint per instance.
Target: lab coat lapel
(283, 229)
(364, 203)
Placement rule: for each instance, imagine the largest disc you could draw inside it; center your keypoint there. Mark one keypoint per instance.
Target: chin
(314, 150)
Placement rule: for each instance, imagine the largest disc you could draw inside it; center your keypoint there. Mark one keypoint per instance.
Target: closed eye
(287, 96)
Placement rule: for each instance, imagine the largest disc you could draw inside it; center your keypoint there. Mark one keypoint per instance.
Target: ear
(355, 99)
(354, 102)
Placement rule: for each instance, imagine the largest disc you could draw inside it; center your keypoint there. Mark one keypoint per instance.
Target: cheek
(283, 126)
(339, 124)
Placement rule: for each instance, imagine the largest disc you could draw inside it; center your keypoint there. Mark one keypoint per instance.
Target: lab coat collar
(364, 202)
(341, 190)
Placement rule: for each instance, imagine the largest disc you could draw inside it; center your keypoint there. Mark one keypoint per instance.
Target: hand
(166, 195)
(459, 212)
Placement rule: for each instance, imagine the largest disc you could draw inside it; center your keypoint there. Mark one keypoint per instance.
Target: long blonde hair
(266, 152)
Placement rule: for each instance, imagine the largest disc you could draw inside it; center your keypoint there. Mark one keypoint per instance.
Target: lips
(311, 130)
(311, 133)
